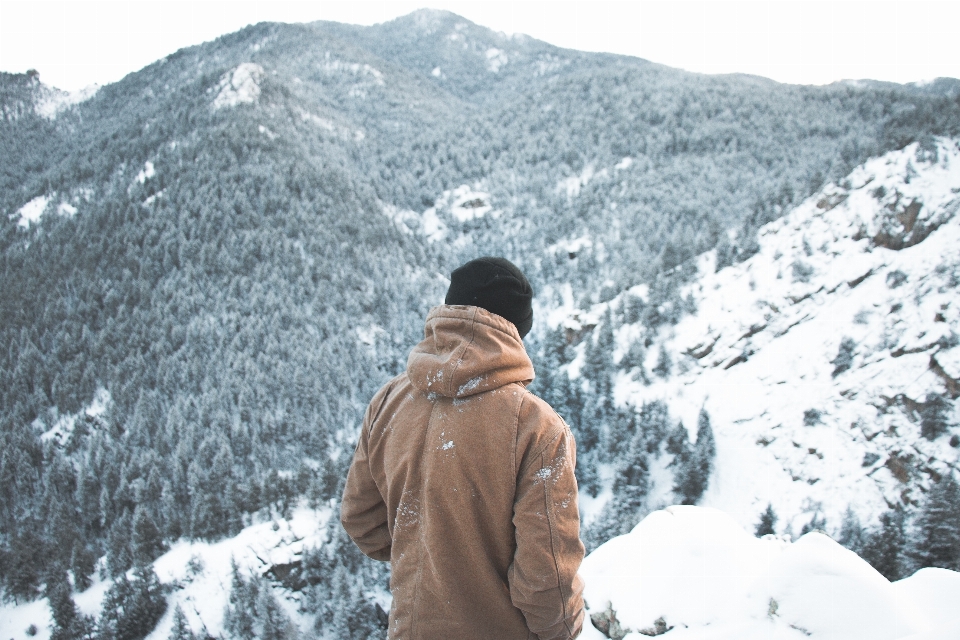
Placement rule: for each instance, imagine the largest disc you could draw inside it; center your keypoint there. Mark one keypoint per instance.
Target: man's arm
(543, 578)
(363, 513)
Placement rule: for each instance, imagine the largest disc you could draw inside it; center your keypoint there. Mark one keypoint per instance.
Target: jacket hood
(467, 350)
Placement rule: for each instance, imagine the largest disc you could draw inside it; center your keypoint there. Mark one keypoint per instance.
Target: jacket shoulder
(538, 426)
(381, 396)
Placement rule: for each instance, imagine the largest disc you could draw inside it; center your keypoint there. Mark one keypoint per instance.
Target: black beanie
(494, 284)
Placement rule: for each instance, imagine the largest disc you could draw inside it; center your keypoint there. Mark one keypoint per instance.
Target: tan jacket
(464, 481)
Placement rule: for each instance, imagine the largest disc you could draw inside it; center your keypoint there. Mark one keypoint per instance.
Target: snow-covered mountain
(820, 357)
(801, 422)
(213, 264)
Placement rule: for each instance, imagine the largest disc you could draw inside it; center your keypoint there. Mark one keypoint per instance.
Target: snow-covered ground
(761, 352)
(695, 573)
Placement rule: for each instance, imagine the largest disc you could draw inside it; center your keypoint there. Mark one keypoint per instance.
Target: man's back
(464, 481)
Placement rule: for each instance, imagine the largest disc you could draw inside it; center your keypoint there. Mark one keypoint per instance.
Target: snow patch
(66, 209)
(63, 426)
(573, 184)
(495, 59)
(365, 76)
(453, 208)
(239, 86)
(146, 173)
(54, 101)
(31, 212)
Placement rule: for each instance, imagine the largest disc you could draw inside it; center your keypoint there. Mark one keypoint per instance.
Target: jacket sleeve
(543, 578)
(363, 512)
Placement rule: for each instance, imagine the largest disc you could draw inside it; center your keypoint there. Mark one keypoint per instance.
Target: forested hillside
(210, 266)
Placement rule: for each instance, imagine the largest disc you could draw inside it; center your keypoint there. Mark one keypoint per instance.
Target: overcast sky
(76, 43)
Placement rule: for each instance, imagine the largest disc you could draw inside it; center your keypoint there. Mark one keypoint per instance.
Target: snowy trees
(768, 522)
(132, 608)
(936, 538)
(339, 577)
(694, 463)
(934, 416)
(883, 548)
(253, 613)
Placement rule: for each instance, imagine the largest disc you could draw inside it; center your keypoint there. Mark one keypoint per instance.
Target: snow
(572, 185)
(495, 59)
(31, 212)
(465, 203)
(239, 86)
(624, 164)
(759, 352)
(55, 101)
(63, 426)
(149, 200)
(16, 619)
(451, 209)
(365, 77)
(66, 209)
(203, 594)
(323, 123)
(703, 575)
(146, 173)
(936, 592)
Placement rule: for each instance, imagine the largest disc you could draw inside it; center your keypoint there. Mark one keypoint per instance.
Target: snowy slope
(198, 576)
(875, 259)
(695, 573)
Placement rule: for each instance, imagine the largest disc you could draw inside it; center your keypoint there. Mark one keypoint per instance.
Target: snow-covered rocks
(695, 573)
(239, 86)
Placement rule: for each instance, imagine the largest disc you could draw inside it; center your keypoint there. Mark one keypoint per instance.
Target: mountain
(828, 361)
(210, 266)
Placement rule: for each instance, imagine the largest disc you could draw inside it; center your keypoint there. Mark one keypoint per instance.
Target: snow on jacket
(464, 481)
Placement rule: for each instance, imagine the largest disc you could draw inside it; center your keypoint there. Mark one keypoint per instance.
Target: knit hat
(494, 284)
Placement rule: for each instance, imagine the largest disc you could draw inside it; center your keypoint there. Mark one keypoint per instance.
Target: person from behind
(464, 481)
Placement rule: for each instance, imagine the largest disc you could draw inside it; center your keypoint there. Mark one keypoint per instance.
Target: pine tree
(883, 548)
(817, 523)
(588, 478)
(664, 363)
(146, 540)
(768, 520)
(252, 612)
(937, 539)
(678, 440)
(706, 445)
(851, 532)
(934, 416)
(132, 608)
(693, 464)
(181, 628)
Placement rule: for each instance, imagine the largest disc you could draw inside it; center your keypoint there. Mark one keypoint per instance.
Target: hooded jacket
(464, 481)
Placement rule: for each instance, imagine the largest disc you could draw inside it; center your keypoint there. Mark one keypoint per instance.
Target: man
(464, 480)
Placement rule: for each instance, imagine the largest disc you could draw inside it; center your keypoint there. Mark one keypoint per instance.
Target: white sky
(76, 43)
